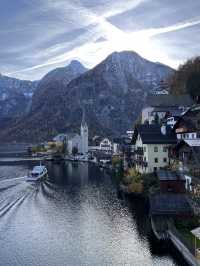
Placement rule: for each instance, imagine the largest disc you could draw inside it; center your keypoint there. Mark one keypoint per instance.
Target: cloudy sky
(39, 35)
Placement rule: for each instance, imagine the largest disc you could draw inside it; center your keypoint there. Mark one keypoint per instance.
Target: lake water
(73, 218)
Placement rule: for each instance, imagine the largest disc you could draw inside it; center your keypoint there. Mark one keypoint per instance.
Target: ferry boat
(37, 173)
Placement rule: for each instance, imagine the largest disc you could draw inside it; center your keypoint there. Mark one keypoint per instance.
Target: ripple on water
(74, 218)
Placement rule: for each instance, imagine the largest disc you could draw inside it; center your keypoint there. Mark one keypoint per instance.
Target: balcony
(141, 162)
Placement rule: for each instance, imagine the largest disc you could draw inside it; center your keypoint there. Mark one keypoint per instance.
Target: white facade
(75, 141)
(151, 157)
(79, 141)
(161, 92)
(106, 145)
(147, 114)
(130, 133)
(84, 138)
(116, 148)
(171, 121)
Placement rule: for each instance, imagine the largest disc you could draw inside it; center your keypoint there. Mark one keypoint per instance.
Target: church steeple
(83, 122)
(84, 134)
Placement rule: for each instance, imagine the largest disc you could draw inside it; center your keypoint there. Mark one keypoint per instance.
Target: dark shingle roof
(151, 134)
(169, 100)
(169, 204)
(166, 175)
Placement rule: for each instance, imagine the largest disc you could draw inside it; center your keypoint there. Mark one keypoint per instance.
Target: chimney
(163, 129)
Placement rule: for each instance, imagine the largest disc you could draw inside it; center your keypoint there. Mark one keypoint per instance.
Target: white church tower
(84, 135)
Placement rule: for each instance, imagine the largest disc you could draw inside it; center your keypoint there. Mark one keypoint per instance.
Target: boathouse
(171, 181)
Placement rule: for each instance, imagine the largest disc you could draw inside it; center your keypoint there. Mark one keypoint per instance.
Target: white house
(101, 144)
(74, 140)
(161, 105)
(151, 145)
(106, 145)
(188, 125)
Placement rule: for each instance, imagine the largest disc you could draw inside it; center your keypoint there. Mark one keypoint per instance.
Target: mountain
(47, 92)
(15, 96)
(112, 93)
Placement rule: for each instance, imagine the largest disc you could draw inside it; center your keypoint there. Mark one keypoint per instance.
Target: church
(80, 142)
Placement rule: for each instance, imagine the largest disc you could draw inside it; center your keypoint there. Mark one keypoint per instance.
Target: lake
(75, 217)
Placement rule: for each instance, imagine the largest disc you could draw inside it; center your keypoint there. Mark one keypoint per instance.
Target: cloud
(51, 43)
(176, 27)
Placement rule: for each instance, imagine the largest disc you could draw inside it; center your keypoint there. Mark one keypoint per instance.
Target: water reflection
(74, 218)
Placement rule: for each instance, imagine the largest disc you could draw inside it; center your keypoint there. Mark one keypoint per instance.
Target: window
(164, 160)
(156, 160)
(164, 149)
(144, 149)
(145, 158)
(155, 149)
(155, 169)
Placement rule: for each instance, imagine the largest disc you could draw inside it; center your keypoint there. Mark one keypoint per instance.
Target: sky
(37, 36)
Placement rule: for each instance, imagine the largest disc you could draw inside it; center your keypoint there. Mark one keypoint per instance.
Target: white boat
(37, 173)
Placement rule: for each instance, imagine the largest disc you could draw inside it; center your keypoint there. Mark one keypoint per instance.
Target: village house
(101, 144)
(188, 125)
(171, 181)
(74, 140)
(151, 147)
(159, 107)
(187, 154)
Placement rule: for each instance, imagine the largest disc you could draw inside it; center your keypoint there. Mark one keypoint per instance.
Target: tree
(74, 151)
(187, 79)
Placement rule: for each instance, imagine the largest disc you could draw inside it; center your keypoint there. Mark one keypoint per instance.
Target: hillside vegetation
(187, 78)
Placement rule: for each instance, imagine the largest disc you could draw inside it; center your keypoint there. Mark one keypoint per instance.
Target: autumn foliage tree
(187, 79)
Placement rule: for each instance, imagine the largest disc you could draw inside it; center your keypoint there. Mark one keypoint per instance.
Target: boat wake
(13, 192)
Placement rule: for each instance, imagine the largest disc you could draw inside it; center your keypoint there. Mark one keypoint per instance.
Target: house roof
(151, 134)
(196, 232)
(173, 204)
(166, 175)
(168, 100)
(60, 137)
(193, 142)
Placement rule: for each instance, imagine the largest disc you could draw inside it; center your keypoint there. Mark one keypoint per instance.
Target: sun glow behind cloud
(86, 46)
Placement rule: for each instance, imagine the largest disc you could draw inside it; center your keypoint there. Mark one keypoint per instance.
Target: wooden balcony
(141, 162)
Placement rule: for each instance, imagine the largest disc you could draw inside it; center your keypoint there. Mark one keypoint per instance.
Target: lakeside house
(187, 154)
(151, 147)
(159, 107)
(171, 181)
(101, 144)
(170, 205)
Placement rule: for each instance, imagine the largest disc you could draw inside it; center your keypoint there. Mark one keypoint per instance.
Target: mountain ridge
(112, 93)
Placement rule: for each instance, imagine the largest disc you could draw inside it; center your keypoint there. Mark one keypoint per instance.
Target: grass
(184, 227)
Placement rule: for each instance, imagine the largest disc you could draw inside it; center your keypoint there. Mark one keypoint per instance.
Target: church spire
(83, 122)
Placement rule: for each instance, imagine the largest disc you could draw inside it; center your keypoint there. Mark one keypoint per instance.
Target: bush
(134, 181)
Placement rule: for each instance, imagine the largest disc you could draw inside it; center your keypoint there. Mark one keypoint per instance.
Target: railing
(190, 246)
(141, 162)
